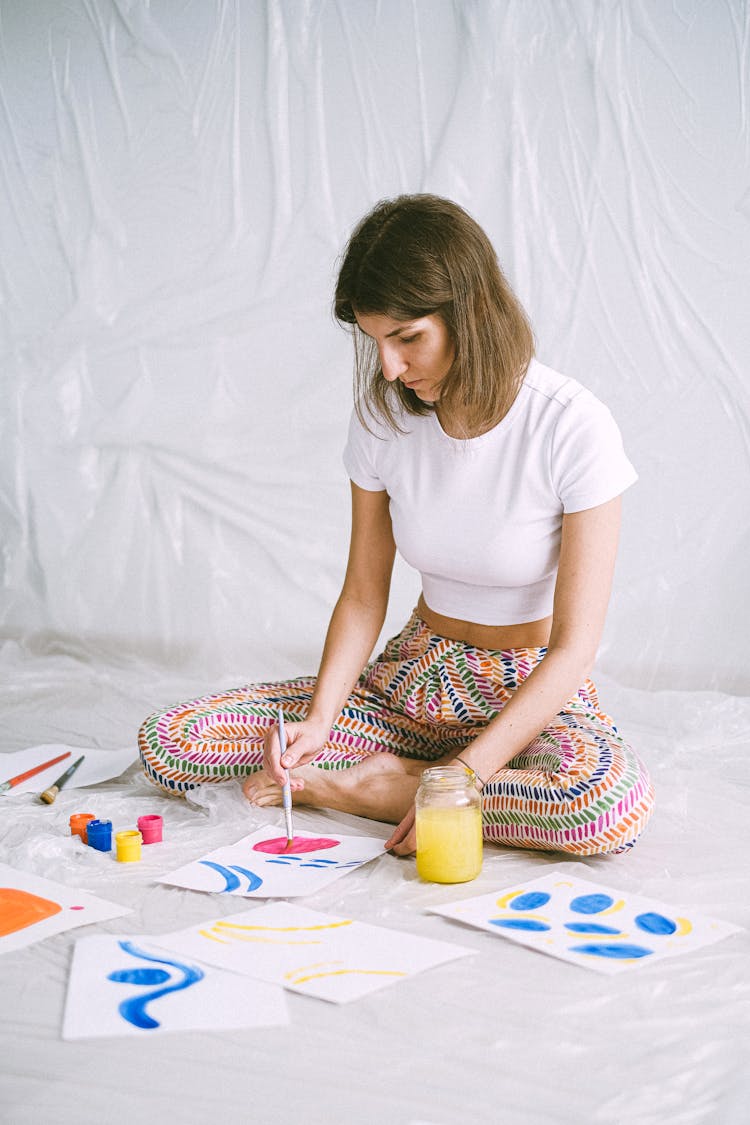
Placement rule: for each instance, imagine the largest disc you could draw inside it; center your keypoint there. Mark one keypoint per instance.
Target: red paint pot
(150, 828)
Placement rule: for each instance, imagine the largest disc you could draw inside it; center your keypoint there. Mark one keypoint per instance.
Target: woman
(500, 481)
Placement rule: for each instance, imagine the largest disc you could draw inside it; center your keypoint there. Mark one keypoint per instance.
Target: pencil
(286, 791)
(49, 795)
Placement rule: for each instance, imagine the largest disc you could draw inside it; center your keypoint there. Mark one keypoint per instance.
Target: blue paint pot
(100, 835)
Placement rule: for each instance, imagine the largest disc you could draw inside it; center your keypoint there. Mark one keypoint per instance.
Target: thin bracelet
(466, 766)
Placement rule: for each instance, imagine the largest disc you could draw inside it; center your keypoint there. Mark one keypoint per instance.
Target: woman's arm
(584, 580)
(353, 630)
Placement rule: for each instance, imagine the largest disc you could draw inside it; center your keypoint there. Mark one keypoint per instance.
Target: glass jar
(449, 825)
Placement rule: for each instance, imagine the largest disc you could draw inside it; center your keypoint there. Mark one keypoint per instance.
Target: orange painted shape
(19, 909)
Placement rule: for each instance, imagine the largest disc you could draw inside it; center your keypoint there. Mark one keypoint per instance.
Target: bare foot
(262, 791)
(382, 787)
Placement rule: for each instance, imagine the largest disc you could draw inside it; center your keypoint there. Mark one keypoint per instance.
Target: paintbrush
(286, 790)
(30, 773)
(49, 795)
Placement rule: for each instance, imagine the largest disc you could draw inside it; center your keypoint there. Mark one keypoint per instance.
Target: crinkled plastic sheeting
(178, 180)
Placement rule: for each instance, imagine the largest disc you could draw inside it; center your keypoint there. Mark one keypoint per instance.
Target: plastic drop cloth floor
(506, 1036)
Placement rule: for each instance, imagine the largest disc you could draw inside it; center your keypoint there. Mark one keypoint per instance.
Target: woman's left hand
(403, 839)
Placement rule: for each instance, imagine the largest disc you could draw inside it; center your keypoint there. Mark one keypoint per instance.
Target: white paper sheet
(97, 765)
(33, 908)
(259, 865)
(323, 955)
(127, 986)
(588, 924)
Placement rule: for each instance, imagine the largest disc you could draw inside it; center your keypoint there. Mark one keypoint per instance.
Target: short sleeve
(359, 456)
(589, 463)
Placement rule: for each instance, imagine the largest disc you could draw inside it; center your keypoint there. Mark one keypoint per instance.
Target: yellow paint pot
(128, 846)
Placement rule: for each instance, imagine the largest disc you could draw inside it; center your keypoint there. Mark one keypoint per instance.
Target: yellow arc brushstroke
(211, 937)
(684, 926)
(347, 972)
(620, 960)
(503, 901)
(526, 917)
(283, 929)
(306, 968)
(248, 939)
(611, 909)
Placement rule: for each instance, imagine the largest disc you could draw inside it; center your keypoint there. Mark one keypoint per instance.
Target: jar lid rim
(447, 773)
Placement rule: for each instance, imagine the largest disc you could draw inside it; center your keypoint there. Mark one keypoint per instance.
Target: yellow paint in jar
(449, 845)
(449, 826)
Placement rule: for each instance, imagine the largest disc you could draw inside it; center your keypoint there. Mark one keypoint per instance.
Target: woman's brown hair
(416, 255)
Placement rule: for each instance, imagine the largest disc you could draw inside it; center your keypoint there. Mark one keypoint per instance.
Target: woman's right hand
(303, 741)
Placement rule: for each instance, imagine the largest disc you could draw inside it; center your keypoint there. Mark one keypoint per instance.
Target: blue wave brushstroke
(232, 882)
(134, 1008)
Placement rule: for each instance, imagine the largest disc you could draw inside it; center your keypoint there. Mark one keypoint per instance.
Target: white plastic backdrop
(178, 179)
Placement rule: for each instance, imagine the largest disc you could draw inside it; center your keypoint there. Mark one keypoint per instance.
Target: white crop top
(481, 518)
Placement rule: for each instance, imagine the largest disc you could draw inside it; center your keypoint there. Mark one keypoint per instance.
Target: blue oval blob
(532, 900)
(519, 924)
(615, 952)
(590, 928)
(654, 923)
(139, 976)
(591, 904)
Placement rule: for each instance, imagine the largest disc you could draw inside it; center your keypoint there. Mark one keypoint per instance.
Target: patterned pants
(576, 788)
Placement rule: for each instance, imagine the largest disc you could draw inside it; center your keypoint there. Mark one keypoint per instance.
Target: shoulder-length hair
(416, 255)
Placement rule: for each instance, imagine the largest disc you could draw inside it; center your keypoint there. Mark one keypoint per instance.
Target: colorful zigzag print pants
(577, 788)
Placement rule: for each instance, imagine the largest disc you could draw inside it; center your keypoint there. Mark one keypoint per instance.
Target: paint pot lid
(99, 826)
(80, 817)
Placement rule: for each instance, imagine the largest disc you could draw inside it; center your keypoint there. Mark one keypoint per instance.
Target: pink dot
(77, 908)
(299, 844)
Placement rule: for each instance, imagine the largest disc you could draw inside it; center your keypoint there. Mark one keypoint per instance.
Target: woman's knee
(602, 812)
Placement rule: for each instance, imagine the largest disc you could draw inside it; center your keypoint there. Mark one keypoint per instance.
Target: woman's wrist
(479, 781)
(319, 721)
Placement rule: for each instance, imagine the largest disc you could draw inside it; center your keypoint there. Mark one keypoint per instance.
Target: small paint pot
(128, 846)
(150, 828)
(78, 823)
(99, 833)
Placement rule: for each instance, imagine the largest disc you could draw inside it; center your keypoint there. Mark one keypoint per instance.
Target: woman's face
(418, 352)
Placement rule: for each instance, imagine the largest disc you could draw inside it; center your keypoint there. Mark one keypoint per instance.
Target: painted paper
(330, 957)
(261, 865)
(97, 765)
(128, 986)
(33, 908)
(589, 924)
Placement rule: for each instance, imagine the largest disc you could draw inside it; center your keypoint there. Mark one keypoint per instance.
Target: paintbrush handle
(286, 790)
(288, 822)
(49, 795)
(282, 733)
